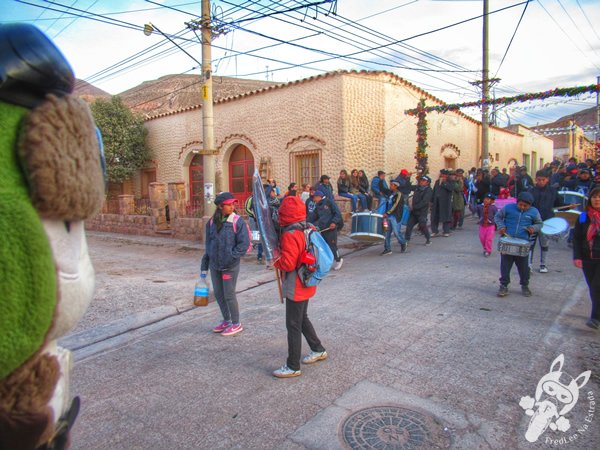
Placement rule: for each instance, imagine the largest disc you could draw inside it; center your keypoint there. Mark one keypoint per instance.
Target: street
(419, 338)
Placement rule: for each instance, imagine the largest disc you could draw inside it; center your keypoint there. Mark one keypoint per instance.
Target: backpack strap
(582, 217)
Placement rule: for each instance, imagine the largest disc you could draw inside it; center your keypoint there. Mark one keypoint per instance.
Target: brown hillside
(89, 92)
(174, 92)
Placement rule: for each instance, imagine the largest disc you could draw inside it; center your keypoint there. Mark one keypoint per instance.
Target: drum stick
(278, 275)
(574, 205)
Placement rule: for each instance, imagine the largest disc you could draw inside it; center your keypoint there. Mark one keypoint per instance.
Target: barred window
(306, 166)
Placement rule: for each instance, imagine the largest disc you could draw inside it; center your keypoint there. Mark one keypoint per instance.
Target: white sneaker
(313, 357)
(338, 264)
(543, 269)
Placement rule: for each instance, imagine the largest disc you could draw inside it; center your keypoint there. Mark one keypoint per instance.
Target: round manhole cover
(392, 427)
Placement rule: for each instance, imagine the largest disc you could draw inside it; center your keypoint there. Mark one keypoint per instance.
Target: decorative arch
(450, 151)
(187, 148)
(232, 140)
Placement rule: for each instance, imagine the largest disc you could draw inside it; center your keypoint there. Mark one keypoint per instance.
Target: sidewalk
(419, 338)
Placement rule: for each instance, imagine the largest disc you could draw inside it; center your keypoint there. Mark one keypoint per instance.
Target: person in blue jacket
(380, 189)
(226, 241)
(521, 221)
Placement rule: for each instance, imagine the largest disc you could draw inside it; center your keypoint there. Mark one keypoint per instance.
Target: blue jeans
(393, 227)
(354, 199)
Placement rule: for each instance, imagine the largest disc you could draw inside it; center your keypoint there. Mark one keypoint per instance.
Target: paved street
(419, 340)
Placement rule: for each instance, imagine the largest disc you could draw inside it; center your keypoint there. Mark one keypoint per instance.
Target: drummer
(520, 221)
(545, 199)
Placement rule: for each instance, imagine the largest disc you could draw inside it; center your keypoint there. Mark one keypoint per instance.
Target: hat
(525, 197)
(404, 172)
(426, 178)
(450, 172)
(556, 162)
(444, 172)
(490, 195)
(395, 183)
(460, 171)
(224, 198)
(318, 194)
(571, 168)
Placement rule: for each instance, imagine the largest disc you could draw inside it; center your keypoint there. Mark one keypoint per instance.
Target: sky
(534, 46)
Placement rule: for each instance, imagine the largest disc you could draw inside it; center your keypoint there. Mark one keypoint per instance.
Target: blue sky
(555, 44)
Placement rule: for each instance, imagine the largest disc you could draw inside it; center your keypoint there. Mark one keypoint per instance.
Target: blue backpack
(317, 258)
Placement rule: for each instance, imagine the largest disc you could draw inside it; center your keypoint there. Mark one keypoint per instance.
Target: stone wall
(117, 223)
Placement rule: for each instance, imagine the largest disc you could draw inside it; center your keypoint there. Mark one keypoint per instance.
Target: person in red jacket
(292, 220)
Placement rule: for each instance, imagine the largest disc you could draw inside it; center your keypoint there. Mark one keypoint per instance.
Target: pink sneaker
(233, 329)
(221, 327)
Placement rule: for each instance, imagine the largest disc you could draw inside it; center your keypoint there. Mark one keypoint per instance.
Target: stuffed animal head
(50, 181)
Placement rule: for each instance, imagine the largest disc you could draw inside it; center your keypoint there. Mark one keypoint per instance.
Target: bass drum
(367, 227)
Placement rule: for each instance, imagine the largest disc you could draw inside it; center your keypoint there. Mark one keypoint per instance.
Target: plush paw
(527, 403)
(563, 424)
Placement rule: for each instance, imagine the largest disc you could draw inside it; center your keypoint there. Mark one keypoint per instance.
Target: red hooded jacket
(292, 245)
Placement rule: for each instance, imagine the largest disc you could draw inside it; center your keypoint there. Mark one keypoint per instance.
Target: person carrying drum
(326, 217)
(420, 210)
(520, 221)
(545, 199)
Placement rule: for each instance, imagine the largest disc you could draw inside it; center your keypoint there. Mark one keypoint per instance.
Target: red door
(197, 182)
(241, 169)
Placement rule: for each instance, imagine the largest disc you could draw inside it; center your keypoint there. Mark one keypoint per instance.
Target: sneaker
(259, 260)
(427, 242)
(386, 252)
(593, 323)
(222, 326)
(403, 247)
(446, 235)
(313, 357)
(526, 291)
(233, 329)
(435, 234)
(338, 264)
(503, 291)
(286, 372)
(543, 269)
(486, 254)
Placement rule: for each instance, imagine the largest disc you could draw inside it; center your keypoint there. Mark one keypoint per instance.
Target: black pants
(591, 271)
(414, 219)
(506, 263)
(436, 219)
(298, 324)
(330, 237)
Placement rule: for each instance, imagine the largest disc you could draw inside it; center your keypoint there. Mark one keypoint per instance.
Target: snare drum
(513, 246)
(556, 228)
(367, 226)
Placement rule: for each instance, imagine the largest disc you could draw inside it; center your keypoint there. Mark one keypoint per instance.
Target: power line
(587, 19)
(511, 39)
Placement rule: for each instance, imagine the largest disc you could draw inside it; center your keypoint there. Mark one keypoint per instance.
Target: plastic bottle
(201, 292)
(386, 226)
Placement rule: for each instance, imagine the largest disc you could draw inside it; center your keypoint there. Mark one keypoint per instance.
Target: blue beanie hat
(525, 197)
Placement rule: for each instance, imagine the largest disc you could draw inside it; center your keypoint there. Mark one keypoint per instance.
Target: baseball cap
(224, 198)
(318, 194)
(404, 172)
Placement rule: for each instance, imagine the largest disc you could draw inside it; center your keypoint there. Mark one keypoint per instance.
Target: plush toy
(50, 181)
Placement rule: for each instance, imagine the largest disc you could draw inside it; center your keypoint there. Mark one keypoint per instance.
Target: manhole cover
(392, 427)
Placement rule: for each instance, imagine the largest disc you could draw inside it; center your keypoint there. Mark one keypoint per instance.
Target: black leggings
(591, 271)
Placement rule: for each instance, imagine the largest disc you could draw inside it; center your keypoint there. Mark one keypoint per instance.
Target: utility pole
(485, 90)
(208, 132)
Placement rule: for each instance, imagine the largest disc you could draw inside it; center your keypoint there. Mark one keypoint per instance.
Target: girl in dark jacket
(226, 241)
(364, 186)
(586, 252)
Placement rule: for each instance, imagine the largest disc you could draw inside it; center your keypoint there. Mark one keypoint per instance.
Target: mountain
(581, 118)
(174, 92)
(89, 92)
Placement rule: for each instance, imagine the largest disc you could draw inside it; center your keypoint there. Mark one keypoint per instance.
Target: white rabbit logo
(555, 390)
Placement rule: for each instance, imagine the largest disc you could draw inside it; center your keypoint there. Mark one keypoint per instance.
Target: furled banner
(268, 234)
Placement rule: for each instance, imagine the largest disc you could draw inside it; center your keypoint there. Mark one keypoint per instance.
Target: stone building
(339, 120)
(299, 130)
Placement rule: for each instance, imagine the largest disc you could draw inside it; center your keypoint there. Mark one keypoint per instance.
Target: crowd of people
(436, 211)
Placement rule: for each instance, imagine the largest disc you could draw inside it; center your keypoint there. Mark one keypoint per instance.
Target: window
(533, 162)
(526, 162)
(306, 166)
(450, 163)
(497, 157)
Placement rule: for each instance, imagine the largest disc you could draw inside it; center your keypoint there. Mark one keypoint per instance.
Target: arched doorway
(241, 169)
(197, 179)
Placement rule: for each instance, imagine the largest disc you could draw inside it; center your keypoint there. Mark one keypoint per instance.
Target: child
(292, 218)
(519, 221)
(486, 213)
(226, 239)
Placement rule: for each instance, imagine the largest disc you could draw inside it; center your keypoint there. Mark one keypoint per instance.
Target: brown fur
(24, 398)
(61, 157)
